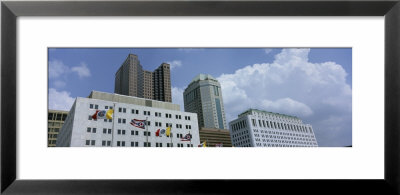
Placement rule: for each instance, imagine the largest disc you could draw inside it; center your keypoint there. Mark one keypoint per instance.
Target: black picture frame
(11, 10)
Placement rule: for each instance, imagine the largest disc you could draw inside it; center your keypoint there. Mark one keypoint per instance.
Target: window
(103, 143)
(109, 131)
(108, 143)
(119, 131)
(123, 132)
(120, 109)
(145, 133)
(89, 129)
(254, 122)
(134, 144)
(123, 121)
(93, 142)
(94, 130)
(105, 107)
(87, 142)
(158, 144)
(119, 120)
(90, 117)
(124, 110)
(91, 106)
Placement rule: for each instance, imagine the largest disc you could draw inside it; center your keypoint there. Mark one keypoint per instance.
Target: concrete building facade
(132, 80)
(81, 130)
(256, 128)
(215, 137)
(204, 97)
(55, 121)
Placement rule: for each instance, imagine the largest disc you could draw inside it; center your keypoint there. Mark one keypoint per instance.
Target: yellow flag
(109, 114)
(204, 144)
(168, 131)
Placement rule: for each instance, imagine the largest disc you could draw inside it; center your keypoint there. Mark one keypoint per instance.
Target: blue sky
(313, 84)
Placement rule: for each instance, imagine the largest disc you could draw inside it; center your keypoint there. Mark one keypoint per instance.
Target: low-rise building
(256, 128)
(55, 121)
(124, 129)
(215, 137)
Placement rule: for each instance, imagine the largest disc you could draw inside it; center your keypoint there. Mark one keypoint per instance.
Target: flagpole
(170, 135)
(147, 134)
(112, 131)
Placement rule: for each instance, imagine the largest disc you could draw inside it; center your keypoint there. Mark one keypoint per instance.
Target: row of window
(239, 125)
(277, 117)
(280, 145)
(134, 111)
(133, 144)
(148, 113)
(123, 132)
(288, 142)
(57, 116)
(283, 126)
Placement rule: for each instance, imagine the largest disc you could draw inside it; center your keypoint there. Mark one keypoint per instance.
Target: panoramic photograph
(199, 97)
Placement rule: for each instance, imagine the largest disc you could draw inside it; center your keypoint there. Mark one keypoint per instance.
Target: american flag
(138, 123)
(219, 145)
(187, 137)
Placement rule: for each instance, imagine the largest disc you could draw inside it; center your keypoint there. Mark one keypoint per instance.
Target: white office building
(256, 128)
(81, 130)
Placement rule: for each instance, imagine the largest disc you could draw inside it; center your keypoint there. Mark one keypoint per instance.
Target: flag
(168, 131)
(162, 132)
(202, 144)
(109, 114)
(219, 145)
(102, 114)
(138, 123)
(158, 132)
(187, 137)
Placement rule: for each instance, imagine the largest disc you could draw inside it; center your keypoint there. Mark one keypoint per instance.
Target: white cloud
(60, 100)
(315, 92)
(175, 64)
(287, 106)
(59, 84)
(177, 96)
(82, 70)
(57, 69)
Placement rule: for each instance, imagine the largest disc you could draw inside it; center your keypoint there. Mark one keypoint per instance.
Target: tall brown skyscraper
(132, 80)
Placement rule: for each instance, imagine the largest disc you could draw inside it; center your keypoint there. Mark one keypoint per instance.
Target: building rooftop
(202, 77)
(265, 112)
(133, 100)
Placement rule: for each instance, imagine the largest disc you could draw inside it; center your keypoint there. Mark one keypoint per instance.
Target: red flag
(158, 132)
(94, 116)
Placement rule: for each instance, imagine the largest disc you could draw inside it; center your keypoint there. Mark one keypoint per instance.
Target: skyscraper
(132, 80)
(203, 96)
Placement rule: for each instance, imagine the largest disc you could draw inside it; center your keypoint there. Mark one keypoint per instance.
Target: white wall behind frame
(363, 161)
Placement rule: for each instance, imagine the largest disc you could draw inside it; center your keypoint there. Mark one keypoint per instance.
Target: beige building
(56, 120)
(132, 80)
(213, 137)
